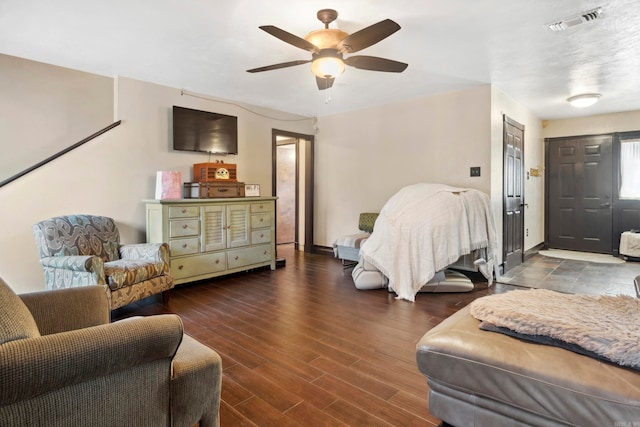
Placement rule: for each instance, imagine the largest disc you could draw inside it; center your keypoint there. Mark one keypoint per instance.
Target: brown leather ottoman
(480, 378)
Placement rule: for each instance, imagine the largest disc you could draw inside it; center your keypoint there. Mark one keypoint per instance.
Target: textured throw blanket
(602, 326)
(423, 229)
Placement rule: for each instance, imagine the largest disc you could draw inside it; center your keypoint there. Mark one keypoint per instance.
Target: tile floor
(574, 276)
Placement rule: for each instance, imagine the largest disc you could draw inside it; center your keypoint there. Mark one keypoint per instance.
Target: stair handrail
(59, 154)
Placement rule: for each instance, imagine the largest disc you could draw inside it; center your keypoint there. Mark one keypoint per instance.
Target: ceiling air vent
(588, 16)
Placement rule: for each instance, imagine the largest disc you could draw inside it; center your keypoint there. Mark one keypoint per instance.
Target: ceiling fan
(327, 47)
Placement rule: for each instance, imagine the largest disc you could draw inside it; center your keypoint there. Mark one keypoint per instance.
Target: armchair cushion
(124, 272)
(16, 322)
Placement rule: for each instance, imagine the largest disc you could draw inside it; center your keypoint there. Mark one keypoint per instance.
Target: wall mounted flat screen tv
(195, 130)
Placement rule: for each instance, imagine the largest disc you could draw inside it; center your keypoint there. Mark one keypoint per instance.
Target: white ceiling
(205, 46)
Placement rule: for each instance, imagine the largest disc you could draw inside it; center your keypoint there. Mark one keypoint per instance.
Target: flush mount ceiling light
(584, 100)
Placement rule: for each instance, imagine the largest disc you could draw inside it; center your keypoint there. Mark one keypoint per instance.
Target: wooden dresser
(213, 237)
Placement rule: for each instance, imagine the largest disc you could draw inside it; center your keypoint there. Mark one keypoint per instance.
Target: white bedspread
(424, 228)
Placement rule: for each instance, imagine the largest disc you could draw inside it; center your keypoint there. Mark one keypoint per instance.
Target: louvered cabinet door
(238, 225)
(214, 228)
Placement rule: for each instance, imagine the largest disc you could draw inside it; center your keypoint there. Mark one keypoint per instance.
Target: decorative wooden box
(215, 172)
(213, 190)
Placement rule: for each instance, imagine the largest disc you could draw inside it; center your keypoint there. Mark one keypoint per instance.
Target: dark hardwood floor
(301, 346)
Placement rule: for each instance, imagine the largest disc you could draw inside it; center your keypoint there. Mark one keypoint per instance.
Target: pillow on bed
(16, 321)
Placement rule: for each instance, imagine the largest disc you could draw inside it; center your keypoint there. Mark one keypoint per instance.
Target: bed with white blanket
(424, 228)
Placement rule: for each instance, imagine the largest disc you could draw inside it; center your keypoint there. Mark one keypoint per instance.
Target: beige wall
(593, 125)
(45, 109)
(112, 174)
(364, 157)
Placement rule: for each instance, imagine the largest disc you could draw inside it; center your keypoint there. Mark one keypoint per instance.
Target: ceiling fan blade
(278, 66)
(324, 83)
(290, 38)
(373, 63)
(368, 36)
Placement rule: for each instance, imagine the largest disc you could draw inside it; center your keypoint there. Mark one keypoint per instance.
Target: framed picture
(252, 190)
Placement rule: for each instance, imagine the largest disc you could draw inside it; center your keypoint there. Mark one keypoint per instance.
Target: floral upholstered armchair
(82, 250)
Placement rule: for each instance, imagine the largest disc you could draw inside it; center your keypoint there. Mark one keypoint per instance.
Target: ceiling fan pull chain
(327, 96)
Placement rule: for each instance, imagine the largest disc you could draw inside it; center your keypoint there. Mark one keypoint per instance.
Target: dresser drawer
(197, 265)
(183, 211)
(260, 236)
(247, 256)
(183, 246)
(261, 207)
(183, 227)
(261, 220)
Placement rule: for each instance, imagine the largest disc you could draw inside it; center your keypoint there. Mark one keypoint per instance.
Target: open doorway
(287, 191)
(293, 187)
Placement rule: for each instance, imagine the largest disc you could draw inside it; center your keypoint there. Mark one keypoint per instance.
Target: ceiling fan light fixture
(327, 64)
(327, 38)
(328, 45)
(583, 100)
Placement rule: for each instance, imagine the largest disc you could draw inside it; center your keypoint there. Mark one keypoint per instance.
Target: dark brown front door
(513, 216)
(579, 193)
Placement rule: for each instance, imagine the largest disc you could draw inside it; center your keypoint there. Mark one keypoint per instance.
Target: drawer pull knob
(261, 219)
(237, 257)
(184, 246)
(185, 226)
(262, 235)
(180, 267)
(265, 252)
(217, 261)
(184, 210)
(261, 206)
